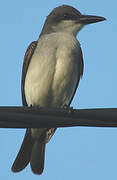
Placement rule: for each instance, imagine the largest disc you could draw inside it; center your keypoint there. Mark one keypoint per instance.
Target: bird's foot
(36, 108)
(68, 108)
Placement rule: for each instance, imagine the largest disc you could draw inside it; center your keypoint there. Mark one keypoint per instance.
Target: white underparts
(53, 71)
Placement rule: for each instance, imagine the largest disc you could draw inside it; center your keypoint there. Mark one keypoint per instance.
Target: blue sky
(73, 153)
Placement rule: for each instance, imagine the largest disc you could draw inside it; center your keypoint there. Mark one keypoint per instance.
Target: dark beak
(87, 19)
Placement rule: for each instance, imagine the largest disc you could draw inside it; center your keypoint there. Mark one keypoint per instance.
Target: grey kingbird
(52, 68)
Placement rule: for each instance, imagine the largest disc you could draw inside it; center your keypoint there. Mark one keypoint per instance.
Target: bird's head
(67, 19)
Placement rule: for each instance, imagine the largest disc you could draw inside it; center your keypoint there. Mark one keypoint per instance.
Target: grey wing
(27, 58)
(23, 157)
(81, 73)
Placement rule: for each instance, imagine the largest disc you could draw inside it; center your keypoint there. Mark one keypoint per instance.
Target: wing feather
(81, 73)
(28, 55)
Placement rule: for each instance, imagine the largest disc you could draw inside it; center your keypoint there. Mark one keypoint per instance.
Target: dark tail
(31, 151)
(37, 157)
(24, 154)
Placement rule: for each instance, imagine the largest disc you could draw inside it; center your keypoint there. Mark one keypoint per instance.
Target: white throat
(68, 26)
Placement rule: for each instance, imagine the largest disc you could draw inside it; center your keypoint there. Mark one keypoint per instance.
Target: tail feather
(37, 157)
(23, 157)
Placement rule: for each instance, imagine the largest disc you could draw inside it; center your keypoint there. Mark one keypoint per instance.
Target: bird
(52, 68)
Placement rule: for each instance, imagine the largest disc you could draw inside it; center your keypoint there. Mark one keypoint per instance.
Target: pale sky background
(73, 153)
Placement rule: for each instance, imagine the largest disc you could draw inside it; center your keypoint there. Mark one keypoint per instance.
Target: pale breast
(53, 71)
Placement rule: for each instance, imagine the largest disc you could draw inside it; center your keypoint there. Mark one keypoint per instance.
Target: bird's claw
(68, 108)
